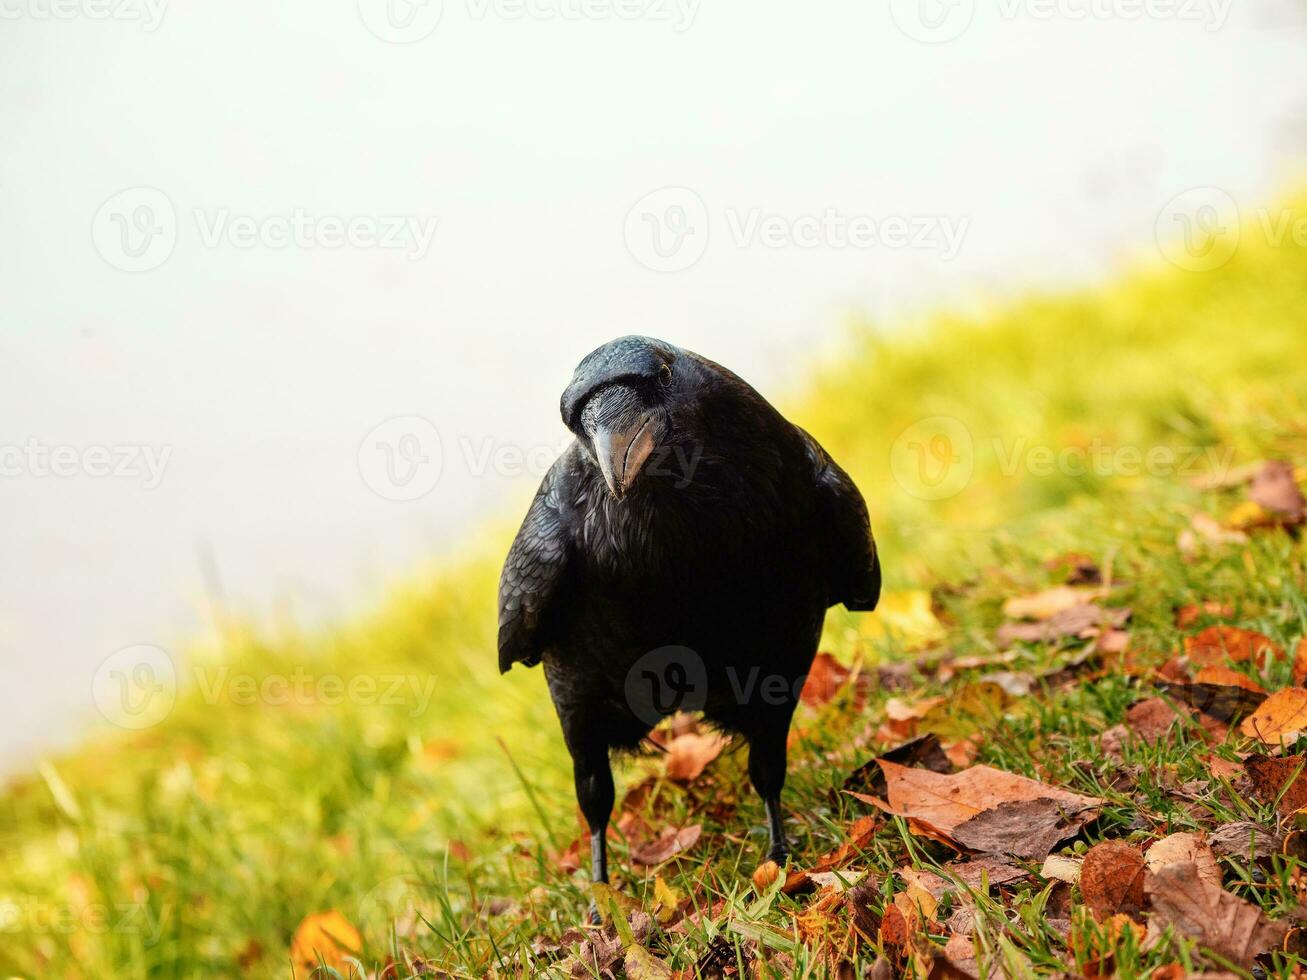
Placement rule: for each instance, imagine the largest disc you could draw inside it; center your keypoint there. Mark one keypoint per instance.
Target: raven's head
(620, 404)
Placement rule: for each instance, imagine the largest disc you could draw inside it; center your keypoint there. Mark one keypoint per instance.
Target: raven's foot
(592, 915)
(779, 852)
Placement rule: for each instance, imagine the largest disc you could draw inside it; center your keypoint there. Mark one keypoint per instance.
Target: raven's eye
(665, 375)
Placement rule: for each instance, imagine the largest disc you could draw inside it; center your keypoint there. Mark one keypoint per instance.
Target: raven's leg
(594, 792)
(767, 773)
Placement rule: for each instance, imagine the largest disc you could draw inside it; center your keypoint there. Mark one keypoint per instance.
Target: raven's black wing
(533, 576)
(852, 565)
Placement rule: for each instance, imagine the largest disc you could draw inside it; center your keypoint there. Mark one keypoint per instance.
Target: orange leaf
(326, 937)
(1217, 644)
(1281, 717)
(1300, 662)
(826, 676)
(937, 804)
(1112, 880)
(1225, 677)
(689, 755)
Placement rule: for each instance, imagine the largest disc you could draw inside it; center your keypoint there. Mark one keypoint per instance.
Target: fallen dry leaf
(1218, 644)
(1187, 616)
(825, 678)
(1275, 489)
(668, 844)
(1280, 718)
(1026, 829)
(901, 717)
(1300, 662)
(1112, 880)
(640, 964)
(1083, 621)
(1226, 702)
(1222, 676)
(1245, 839)
(1278, 781)
(765, 875)
(924, 752)
(937, 805)
(325, 937)
(1181, 848)
(688, 755)
(1047, 604)
(1223, 923)
(1060, 867)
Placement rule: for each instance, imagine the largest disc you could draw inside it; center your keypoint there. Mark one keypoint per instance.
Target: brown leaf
(640, 964)
(1112, 880)
(1246, 840)
(1275, 489)
(689, 755)
(937, 804)
(1300, 663)
(923, 751)
(861, 900)
(1224, 923)
(1083, 621)
(1217, 644)
(901, 716)
(1181, 848)
(1224, 701)
(1280, 718)
(825, 678)
(326, 937)
(1221, 676)
(1187, 616)
(1027, 829)
(668, 844)
(1278, 779)
(1047, 604)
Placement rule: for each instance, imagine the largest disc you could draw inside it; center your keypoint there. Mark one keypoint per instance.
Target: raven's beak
(622, 452)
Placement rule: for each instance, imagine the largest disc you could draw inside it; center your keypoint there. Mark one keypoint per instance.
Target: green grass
(432, 816)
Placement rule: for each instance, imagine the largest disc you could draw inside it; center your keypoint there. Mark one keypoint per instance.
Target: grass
(383, 769)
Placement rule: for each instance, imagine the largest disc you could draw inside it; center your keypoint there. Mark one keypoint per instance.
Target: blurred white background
(176, 179)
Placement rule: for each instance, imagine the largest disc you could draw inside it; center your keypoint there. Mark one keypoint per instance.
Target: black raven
(681, 554)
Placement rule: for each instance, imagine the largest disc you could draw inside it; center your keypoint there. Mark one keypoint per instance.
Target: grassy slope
(194, 848)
